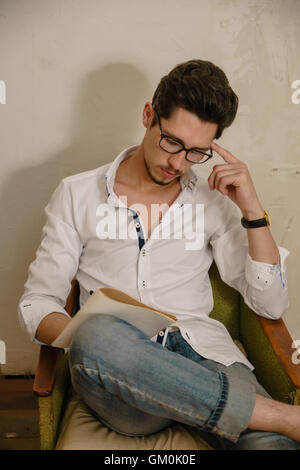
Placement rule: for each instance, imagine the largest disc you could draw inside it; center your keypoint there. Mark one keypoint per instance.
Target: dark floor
(19, 427)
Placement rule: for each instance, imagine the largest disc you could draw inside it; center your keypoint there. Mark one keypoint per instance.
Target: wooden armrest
(49, 356)
(45, 373)
(281, 341)
(72, 302)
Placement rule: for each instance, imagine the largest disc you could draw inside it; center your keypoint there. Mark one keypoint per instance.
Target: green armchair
(65, 422)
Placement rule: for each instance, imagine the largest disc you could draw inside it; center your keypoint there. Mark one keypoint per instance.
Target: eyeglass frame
(162, 136)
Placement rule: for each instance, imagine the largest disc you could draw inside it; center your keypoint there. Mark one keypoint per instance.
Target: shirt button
(137, 225)
(144, 284)
(144, 252)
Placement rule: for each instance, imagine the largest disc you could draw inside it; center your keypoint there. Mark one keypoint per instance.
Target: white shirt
(168, 272)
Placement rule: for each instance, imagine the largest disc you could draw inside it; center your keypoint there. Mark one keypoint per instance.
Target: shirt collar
(111, 174)
(187, 181)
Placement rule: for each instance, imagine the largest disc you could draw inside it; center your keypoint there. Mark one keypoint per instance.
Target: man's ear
(148, 114)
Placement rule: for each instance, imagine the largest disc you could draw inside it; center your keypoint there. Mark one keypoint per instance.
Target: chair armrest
(281, 341)
(46, 370)
(49, 356)
(268, 347)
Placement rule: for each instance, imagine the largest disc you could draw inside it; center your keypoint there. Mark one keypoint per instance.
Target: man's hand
(233, 180)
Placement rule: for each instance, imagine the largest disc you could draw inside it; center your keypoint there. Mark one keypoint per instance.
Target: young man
(112, 227)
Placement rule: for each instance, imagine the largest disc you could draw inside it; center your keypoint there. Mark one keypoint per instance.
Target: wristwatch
(264, 222)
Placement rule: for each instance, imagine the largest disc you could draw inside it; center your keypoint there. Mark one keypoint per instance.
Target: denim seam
(100, 418)
(215, 429)
(212, 423)
(222, 433)
(132, 388)
(221, 404)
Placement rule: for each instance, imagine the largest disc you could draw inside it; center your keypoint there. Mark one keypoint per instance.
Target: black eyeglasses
(170, 145)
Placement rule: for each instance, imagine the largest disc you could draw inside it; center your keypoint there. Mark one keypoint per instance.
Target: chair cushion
(80, 430)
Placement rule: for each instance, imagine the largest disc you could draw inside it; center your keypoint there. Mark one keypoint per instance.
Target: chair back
(226, 303)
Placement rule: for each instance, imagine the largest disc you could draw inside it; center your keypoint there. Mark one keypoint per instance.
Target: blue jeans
(138, 387)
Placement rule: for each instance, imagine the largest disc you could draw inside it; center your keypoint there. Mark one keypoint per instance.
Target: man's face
(164, 168)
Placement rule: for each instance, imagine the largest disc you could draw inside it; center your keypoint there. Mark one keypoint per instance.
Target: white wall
(77, 74)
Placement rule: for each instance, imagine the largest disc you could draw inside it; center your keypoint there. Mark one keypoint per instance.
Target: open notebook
(110, 301)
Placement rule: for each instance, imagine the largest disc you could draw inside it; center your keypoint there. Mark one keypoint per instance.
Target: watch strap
(263, 222)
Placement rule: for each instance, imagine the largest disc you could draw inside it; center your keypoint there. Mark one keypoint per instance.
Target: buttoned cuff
(32, 311)
(262, 275)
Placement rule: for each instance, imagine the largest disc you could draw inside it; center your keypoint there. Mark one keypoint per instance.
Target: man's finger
(225, 154)
(214, 179)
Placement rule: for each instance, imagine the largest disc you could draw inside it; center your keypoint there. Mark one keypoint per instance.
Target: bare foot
(274, 416)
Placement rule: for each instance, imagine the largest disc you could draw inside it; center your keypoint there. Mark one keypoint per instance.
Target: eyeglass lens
(172, 146)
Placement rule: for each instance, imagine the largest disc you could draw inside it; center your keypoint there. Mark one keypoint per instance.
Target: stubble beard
(157, 181)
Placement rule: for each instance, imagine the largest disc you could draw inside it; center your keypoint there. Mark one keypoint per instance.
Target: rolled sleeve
(267, 292)
(262, 276)
(263, 286)
(32, 310)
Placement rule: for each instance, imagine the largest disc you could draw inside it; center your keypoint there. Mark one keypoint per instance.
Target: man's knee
(105, 338)
(98, 331)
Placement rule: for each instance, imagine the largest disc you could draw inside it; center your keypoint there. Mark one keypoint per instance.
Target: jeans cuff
(235, 408)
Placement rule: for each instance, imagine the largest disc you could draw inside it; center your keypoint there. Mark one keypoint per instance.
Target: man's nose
(177, 160)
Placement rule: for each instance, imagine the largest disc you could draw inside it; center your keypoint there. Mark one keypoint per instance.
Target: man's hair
(200, 87)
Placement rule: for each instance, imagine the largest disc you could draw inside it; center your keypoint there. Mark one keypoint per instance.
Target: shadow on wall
(107, 118)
